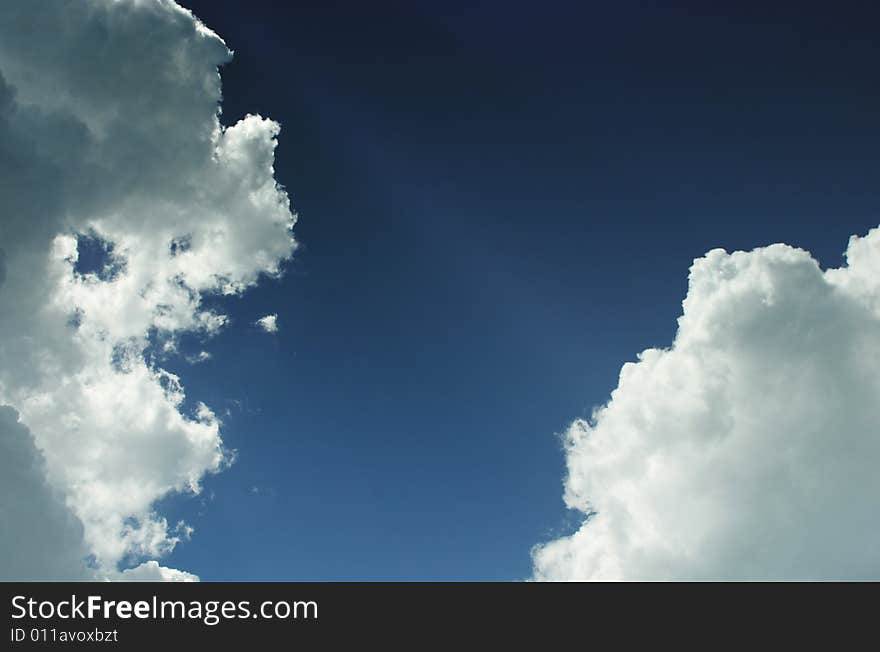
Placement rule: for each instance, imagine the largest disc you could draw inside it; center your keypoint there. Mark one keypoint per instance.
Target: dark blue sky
(498, 206)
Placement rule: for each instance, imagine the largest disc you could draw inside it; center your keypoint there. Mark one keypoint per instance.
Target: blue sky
(534, 280)
(498, 207)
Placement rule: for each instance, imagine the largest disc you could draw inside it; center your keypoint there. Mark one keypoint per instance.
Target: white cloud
(202, 356)
(750, 448)
(151, 571)
(109, 129)
(269, 323)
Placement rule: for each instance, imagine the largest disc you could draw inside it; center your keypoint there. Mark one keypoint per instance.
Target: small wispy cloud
(201, 356)
(269, 323)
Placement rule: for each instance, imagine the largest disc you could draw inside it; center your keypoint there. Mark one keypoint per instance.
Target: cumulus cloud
(124, 202)
(151, 571)
(749, 449)
(269, 323)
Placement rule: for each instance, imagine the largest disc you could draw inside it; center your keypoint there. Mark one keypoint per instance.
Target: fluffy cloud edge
(109, 117)
(747, 450)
